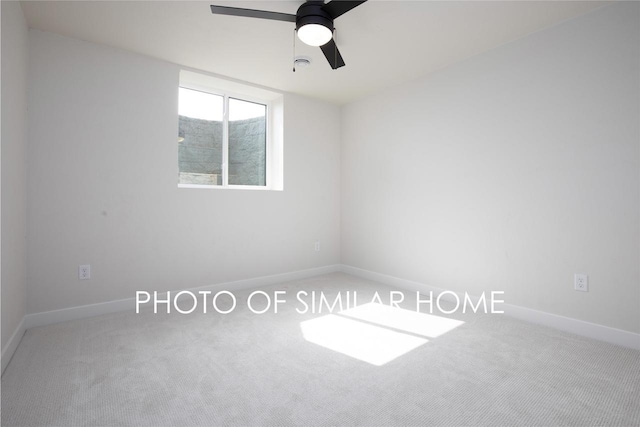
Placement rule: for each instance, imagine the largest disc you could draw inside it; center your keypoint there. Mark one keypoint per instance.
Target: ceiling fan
(314, 23)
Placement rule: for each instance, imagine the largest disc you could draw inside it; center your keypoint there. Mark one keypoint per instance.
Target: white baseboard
(575, 326)
(394, 281)
(578, 327)
(79, 312)
(12, 344)
(90, 310)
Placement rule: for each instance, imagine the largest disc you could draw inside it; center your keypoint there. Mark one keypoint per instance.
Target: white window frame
(273, 169)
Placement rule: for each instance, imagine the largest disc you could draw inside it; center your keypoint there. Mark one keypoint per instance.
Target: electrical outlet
(84, 272)
(581, 282)
(317, 246)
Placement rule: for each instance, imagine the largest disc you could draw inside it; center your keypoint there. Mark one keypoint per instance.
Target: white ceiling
(383, 42)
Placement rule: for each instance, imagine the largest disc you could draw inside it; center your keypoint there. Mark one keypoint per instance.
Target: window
(225, 139)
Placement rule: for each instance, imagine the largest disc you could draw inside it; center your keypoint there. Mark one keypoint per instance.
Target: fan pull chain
(335, 46)
(294, 49)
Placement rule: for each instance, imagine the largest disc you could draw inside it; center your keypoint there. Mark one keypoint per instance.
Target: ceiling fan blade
(332, 54)
(336, 8)
(252, 13)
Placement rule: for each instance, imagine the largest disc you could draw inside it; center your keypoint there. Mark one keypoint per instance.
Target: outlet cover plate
(581, 282)
(84, 272)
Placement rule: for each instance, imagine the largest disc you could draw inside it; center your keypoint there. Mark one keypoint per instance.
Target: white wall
(103, 190)
(14, 142)
(510, 171)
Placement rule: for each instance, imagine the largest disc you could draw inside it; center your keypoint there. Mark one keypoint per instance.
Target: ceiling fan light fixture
(314, 23)
(315, 34)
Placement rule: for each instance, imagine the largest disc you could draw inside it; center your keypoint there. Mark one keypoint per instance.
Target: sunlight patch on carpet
(372, 344)
(375, 333)
(427, 325)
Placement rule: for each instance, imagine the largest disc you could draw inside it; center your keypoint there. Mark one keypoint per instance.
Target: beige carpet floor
(243, 369)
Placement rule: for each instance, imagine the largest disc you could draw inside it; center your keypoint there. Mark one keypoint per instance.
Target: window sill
(228, 187)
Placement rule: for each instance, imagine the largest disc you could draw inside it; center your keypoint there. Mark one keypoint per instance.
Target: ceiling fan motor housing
(311, 12)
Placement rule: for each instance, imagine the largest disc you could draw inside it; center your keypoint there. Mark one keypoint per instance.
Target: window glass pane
(199, 137)
(247, 143)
